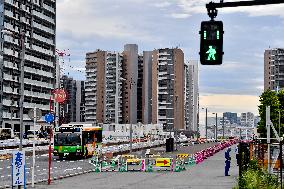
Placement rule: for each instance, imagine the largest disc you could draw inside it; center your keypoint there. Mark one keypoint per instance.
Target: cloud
(89, 18)
(179, 15)
(163, 4)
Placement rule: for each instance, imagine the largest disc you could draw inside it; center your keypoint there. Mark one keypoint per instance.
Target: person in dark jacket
(228, 161)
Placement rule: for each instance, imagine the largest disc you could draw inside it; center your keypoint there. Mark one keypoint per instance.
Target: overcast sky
(87, 25)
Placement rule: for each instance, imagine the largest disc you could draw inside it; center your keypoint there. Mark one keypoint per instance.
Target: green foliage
(255, 178)
(276, 102)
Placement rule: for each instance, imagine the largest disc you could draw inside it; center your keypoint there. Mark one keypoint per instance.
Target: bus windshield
(67, 139)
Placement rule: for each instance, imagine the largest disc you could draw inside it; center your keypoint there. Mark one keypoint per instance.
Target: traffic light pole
(212, 7)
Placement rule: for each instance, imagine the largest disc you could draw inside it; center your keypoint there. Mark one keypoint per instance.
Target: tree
(268, 98)
(280, 96)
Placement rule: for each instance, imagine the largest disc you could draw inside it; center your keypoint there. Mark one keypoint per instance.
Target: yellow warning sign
(133, 160)
(163, 162)
(182, 155)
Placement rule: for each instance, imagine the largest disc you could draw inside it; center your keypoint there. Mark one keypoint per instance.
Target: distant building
(103, 87)
(232, 117)
(274, 69)
(168, 88)
(256, 120)
(247, 119)
(191, 92)
(73, 110)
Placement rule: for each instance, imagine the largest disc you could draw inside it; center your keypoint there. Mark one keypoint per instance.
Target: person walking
(227, 161)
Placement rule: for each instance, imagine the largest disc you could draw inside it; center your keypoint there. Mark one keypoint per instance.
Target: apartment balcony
(42, 16)
(24, 7)
(10, 77)
(10, 65)
(10, 90)
(11, 52)
(39, 61)
(162, 107)
(39, 106)
(10, 39)
(11, 15)
(36, 94)
(10, 103)
(7, 115)
(11, 2)
(163, 54)
(43, 50)
(10, 27)
(43, 39)
(38, 83)
(25, 20)
(49, 8)
(39, 72)
(43, 28)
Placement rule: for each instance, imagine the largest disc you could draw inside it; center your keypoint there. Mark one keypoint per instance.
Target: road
(66, 167)
(208, 174)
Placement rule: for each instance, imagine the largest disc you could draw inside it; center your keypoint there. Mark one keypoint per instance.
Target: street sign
(60, 95)
(182, 155)
(49, 118)
(211, 42)
(38, 114)
(18, 168)
(163, 162)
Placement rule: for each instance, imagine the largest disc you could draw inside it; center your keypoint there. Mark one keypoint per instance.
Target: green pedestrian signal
(211, 42)
(211, 53)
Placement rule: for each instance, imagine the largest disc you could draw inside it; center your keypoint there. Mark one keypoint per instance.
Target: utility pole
(21, 103)
(223, 127)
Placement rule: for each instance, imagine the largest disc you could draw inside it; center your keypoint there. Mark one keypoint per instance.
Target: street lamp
(206, 109)
(22, 57)
(216, 128)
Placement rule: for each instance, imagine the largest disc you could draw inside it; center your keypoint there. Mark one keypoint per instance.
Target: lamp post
(216, 128)
(22, 58)
(206, 109)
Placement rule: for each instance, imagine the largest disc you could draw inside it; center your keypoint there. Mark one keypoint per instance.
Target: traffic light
(211, 42)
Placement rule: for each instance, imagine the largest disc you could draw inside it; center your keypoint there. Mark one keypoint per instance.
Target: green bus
(77, 140)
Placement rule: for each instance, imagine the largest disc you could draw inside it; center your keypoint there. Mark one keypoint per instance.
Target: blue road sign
(49, 118)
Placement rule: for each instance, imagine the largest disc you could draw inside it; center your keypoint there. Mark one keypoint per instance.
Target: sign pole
(49, 149)
(33, 167)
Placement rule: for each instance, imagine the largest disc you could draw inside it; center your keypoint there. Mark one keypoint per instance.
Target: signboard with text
(18, 168)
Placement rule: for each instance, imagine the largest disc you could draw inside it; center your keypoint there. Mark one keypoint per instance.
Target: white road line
(1, 168)
(44, 169)
(55, 167)
(8, 167)
(9, 175)
(2, 176)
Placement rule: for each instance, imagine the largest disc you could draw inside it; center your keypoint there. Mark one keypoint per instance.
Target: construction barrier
(154, 162)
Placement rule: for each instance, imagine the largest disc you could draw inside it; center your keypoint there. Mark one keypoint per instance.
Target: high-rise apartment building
(103, 87)
(191, 95)
(168, 88)
(274, 69)
(130, 74)
(140, 88)
(37, 19)
(80, 101)
(247, 119)
(232, 117)
(147, 88)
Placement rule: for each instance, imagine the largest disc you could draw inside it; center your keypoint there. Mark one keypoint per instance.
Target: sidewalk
(207, 175)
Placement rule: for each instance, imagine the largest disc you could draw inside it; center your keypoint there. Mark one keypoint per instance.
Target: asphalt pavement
(207, 175)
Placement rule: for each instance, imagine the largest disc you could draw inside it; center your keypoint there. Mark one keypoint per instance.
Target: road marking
(9, 175)
(8, 167)
(79, 168)
(55, 167)
(1, 168)
(71, 161)
(27, 172)
(2, 176)
(37, 166)
(44, 169)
